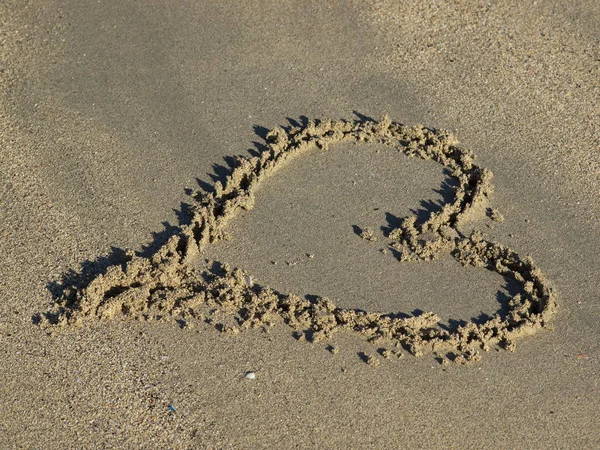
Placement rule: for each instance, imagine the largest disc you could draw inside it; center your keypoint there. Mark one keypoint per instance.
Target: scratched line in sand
(173, 285)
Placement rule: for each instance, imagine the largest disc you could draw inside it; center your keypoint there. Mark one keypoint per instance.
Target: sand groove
(173, 285)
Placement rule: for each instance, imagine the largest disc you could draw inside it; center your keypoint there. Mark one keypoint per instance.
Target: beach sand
(112, 113)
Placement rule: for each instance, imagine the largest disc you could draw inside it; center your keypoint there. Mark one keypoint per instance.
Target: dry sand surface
(139, 169)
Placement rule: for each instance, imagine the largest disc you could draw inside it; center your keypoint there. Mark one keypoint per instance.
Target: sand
(121, 128)
(171, 284)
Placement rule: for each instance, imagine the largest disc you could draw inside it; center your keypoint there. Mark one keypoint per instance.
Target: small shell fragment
(250, 375)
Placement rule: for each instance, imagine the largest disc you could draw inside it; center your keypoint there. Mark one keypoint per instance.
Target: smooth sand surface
(109, 111)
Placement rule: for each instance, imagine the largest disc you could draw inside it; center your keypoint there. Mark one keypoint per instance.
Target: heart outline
(168, 284)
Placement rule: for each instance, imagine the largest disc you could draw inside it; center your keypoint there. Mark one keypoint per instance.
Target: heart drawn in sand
(172, 285)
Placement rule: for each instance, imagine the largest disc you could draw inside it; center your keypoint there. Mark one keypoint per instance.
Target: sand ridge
(173, 284)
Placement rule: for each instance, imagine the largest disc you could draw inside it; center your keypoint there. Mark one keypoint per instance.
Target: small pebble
(250, 375)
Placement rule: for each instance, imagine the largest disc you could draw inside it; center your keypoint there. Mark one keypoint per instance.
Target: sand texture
(170, 284)
(223, 226)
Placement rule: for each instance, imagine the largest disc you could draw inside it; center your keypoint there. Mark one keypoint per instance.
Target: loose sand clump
(368, 235)
(174, 285)
(495, 215)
